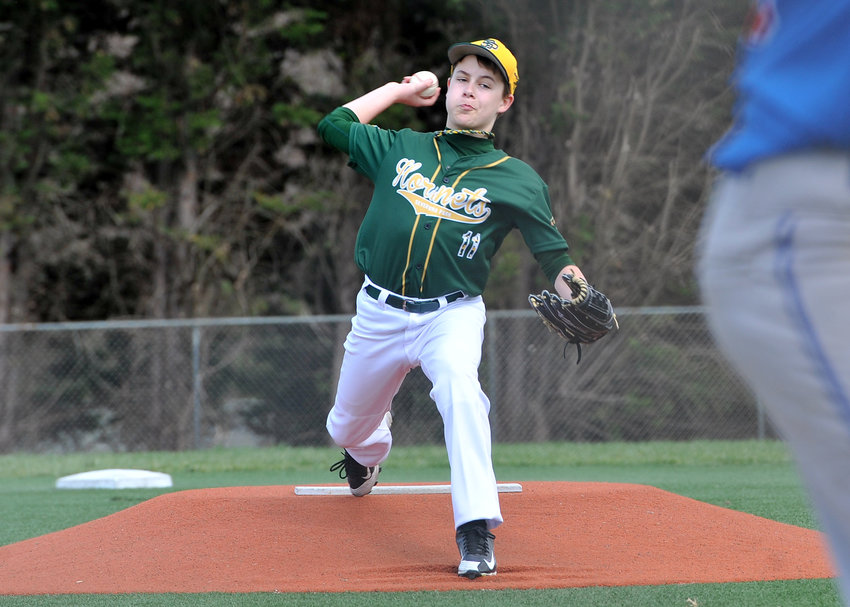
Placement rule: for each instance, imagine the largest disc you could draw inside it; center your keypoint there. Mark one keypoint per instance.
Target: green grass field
(752, 476)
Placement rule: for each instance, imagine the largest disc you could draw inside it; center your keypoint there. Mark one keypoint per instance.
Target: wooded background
(159, 159)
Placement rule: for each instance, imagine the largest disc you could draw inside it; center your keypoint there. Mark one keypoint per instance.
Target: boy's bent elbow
(333, 129)
(322, 128)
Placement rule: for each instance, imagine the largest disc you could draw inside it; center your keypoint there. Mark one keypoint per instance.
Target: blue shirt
(792, 82)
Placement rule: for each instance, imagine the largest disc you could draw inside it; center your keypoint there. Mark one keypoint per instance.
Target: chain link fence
(174, 385)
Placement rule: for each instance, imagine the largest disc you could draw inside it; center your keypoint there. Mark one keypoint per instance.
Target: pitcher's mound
(266, 539)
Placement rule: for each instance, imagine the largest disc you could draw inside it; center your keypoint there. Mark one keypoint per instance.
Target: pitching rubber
(397, 489)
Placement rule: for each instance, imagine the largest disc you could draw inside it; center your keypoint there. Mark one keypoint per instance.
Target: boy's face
(475, 96)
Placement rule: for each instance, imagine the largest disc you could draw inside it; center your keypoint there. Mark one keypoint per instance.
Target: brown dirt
(267, 539)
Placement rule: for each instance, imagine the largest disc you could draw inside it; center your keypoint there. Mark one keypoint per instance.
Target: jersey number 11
(469, 245)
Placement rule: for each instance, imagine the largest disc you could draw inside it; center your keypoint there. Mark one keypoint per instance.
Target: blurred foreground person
(774, 264)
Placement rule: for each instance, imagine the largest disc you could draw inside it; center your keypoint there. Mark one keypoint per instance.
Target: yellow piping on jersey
(409, 253)
(413, 232)
(428, 257)
(440, 219)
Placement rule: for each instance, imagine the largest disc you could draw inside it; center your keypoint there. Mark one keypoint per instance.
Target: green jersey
(442, 206)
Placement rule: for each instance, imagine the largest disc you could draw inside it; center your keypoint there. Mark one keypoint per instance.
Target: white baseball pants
(775, 275)
(384, 345)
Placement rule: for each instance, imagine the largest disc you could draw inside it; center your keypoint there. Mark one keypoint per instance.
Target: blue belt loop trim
(414, 306)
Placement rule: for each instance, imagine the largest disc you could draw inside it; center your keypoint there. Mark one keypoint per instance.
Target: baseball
(429, 77)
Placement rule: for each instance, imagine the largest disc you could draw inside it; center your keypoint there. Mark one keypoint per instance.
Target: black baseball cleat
(361, 478)
(476, 550)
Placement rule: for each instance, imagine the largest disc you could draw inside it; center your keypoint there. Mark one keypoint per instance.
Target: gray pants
(774, 269)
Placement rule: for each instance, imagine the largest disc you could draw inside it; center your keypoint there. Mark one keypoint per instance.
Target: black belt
(416, 306)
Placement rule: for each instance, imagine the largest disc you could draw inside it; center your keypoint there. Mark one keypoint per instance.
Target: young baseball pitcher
(442, 205)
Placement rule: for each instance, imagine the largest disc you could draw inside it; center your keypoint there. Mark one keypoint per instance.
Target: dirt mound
(266, 539)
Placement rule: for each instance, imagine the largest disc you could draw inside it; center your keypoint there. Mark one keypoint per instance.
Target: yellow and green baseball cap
(491, 49)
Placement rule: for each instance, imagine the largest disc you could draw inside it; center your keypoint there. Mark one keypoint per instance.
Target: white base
(398, 489)
(115, 479)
